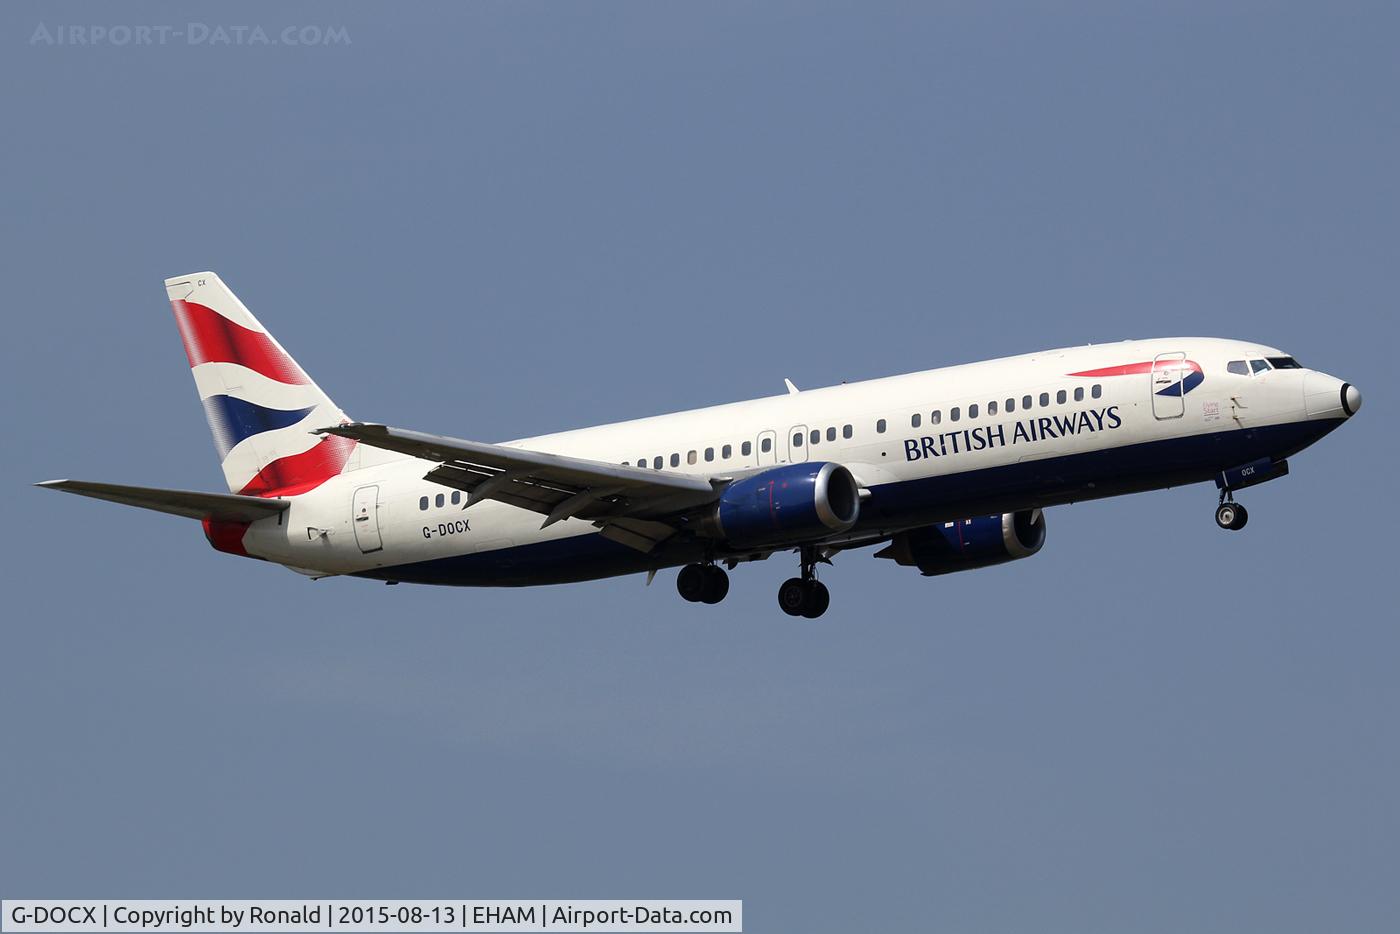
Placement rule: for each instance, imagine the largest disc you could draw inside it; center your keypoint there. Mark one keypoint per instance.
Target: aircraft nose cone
(1351, 399)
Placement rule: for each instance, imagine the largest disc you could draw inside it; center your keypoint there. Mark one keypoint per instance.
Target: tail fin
(261, 406)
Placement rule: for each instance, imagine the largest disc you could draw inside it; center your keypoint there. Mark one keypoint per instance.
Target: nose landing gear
(1230, 514)
(702, 583)
(804, 596)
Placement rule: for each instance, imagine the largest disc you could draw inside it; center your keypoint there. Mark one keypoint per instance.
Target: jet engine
(968, 543)
(784, 505)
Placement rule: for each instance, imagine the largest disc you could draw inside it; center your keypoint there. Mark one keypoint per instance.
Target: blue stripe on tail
(233, 420)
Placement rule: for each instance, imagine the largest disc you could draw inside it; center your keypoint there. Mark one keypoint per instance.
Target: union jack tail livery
(261, 406)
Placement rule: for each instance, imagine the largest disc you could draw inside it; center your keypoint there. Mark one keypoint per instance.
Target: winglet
(792, 390)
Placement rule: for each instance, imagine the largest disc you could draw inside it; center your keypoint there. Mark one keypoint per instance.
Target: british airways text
(1021, 432)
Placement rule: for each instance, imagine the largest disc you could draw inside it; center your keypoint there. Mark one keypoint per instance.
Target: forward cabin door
(365, 513)
(1168, 385)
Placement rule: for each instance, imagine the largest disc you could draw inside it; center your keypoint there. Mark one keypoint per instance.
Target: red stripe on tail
(211, 338)
(226, 536)
(297, 473)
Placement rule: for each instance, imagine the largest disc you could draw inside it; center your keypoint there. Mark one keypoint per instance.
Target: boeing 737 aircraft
(947, 469)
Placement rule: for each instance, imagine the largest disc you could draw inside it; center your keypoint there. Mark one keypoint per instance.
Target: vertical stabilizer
(261, 406)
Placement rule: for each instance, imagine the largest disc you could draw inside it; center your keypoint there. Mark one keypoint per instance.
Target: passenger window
(847, 431)
(880, 427)
(767, 445)
(1238, 367)
(1097, 391)
(675, 460)
(992, 408)
(937, 417)
(1078, 393)
(656, 462)
(691, 457)
(972, 410)
(831, 434)
(1060, 397)
(915, 419)
(439, 500)
(1010, 405)
(815, 436)
(422, 502)
(456, 497)
(954, 414)
(1259, 365)
(1025, 402)
(1044, 399)
(727, 451)
(746, 448)
(709, 454)
(797, 439)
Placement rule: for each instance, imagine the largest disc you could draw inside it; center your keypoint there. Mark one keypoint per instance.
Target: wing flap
(228, 507)
(641, 534)
(552, 484)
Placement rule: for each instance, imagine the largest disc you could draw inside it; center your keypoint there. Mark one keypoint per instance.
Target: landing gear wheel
(1231, 516)
(792, 596)
(805, 595)
(716, 584)
(690, 582)
(798, 597)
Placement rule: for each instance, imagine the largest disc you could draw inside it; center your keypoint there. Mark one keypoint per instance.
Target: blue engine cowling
(786, 505)
(969, 543)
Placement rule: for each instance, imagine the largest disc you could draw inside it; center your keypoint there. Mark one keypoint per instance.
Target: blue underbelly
(1047, 482)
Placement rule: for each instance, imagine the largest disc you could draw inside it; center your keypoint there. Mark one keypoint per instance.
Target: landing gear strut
(1230, 514)
(702, 583)
(805, 595)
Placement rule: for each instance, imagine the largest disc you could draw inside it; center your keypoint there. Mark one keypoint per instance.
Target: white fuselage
(1082, 436)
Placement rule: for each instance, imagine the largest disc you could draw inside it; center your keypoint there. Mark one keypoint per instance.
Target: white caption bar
(307, 917)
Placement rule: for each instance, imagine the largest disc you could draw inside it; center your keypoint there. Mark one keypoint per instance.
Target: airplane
(947, 470)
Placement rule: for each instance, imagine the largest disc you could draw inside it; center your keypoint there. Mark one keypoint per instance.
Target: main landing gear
(799, 596)
(805, 595)
(702, 583)
(1230, 514)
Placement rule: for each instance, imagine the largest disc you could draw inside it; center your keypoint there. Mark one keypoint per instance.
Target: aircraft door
(767, 448)
(1168, 385)
(365, 513)
(797, 444)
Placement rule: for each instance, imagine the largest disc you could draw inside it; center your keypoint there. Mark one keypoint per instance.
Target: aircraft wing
(630, 504)
(227, 507)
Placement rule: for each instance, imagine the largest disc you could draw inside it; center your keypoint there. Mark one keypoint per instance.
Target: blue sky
(496, 220)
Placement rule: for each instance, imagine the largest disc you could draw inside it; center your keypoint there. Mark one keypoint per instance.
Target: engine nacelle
(969, 543)
(786, 505)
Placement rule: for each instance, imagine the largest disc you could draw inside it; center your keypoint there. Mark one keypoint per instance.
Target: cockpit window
(1259, 365)
(1285, 363)
(1238, 366)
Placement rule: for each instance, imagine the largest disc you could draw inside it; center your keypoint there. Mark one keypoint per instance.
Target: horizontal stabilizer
(227, 507)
